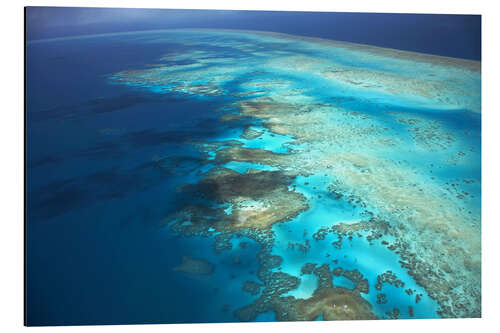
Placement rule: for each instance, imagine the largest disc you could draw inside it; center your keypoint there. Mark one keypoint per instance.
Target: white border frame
(12, 167)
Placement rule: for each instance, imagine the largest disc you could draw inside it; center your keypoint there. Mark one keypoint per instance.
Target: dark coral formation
(259, 199)
(332, 303)
(195, 266)
(321, 234)
(302, 247)
(223, 242)
(253, 288)
(363, 286)
(410, 311)
(390, 278)
(307, 268)
(278, 284)
(381, 298)
(243, 154)
(377, 228)
(394, 314)
(355, 276)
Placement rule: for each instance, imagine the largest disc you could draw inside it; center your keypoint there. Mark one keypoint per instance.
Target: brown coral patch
(194, 266)
(259, 199)
(335, 304)
(242, 154)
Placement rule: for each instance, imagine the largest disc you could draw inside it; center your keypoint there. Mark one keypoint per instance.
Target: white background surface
(11, 165)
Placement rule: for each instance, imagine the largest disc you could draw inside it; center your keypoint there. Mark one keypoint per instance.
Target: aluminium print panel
(224, 166)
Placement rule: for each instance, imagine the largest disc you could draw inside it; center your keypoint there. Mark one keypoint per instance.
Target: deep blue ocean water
(94, 252)
(447, 35)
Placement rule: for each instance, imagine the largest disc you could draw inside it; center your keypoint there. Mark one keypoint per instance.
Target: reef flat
(355, 168)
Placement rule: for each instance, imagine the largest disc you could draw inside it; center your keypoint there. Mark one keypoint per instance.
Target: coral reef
(332, 303)
(390, 278)
(259, 199)
(194, 266)
(251, 287)
(358, 124)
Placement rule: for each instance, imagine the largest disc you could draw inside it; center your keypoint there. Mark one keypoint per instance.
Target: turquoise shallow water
(351, 136)
(354, 254)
